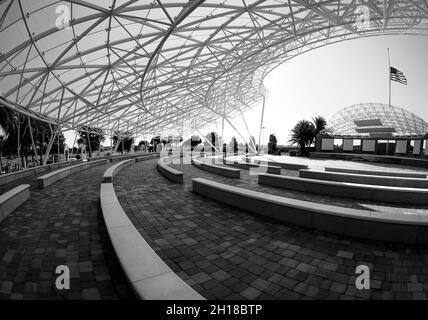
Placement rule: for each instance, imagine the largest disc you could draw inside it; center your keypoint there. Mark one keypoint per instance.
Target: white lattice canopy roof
(151, 66)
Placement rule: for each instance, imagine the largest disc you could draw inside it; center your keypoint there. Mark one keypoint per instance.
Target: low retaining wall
(287, 166)
(50, 178)
(131, 156)
(114, 169)
(220, 170)
(9, 177)
(391, 227)
(12, 199)
(147, 157)
(414, 162)
(171, 174)
(379, 173)
(262, 168)
(348, 190)
(149, 276)
(365, 179)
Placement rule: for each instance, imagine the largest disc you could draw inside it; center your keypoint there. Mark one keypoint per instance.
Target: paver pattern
(226, 253)
(60, 225)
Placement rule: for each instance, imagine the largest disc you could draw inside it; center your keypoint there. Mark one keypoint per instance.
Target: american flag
(397, 75)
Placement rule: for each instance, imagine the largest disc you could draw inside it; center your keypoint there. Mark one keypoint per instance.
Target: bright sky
(323, 81)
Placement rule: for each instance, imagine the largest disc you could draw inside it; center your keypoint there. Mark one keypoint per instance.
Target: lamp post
(263, 139)
(18, 122)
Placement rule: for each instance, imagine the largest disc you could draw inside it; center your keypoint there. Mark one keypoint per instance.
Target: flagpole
(261, 123)
(389, 100)
(389, 77)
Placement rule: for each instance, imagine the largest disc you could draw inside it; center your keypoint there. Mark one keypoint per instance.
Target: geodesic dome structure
(153, 66)
(376, 120)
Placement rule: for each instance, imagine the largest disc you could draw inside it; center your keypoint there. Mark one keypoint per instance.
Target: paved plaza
(225, 253)
(135, 84)
(60, 225)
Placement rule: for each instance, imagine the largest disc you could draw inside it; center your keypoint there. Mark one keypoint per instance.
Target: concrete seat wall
(365, 179)
(220, 170)
(383, 226)
(52, 177)
(149, 276)
(171, 174)
(348, 190)
(12, 199)
(379, 173)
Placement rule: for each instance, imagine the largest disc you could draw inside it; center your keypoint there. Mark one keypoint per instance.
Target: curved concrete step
(220, 170)
(284, 165)
(255, 167)
(9, 177)
(12, 199)
(384, 226)
(365, 179)
(405, 161)
(114, 169)
(348, 190)
(52, 177)
(149, 276)
(171, 174)
(379, 173)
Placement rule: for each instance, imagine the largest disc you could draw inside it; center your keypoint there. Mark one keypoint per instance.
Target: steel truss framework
(147, 67)
(403, 122)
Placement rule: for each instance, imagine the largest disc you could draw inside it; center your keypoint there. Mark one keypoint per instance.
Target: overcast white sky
(323, 81)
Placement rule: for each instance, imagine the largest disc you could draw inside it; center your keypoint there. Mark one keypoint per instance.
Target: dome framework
(150, 67)
(377, 120)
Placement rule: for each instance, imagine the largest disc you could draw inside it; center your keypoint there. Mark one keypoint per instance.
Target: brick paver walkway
(226, 253)
(60, 225)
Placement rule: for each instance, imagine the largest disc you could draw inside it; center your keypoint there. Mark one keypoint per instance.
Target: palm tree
(319, 124)
(303, 135)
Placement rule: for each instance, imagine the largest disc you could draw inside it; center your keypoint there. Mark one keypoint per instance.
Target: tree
(54, 147)
(92, 137)
(18, 129)
(126, 140)
(213, 138)
(15, 126)
(272, 144)
(319, 124)
(194, 141)
(303, 135)
(143, 144)
(304, 132)
(6, 126)
(154, 142)
(234, 145)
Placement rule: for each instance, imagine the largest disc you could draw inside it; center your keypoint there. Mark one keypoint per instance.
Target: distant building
(375, 128)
